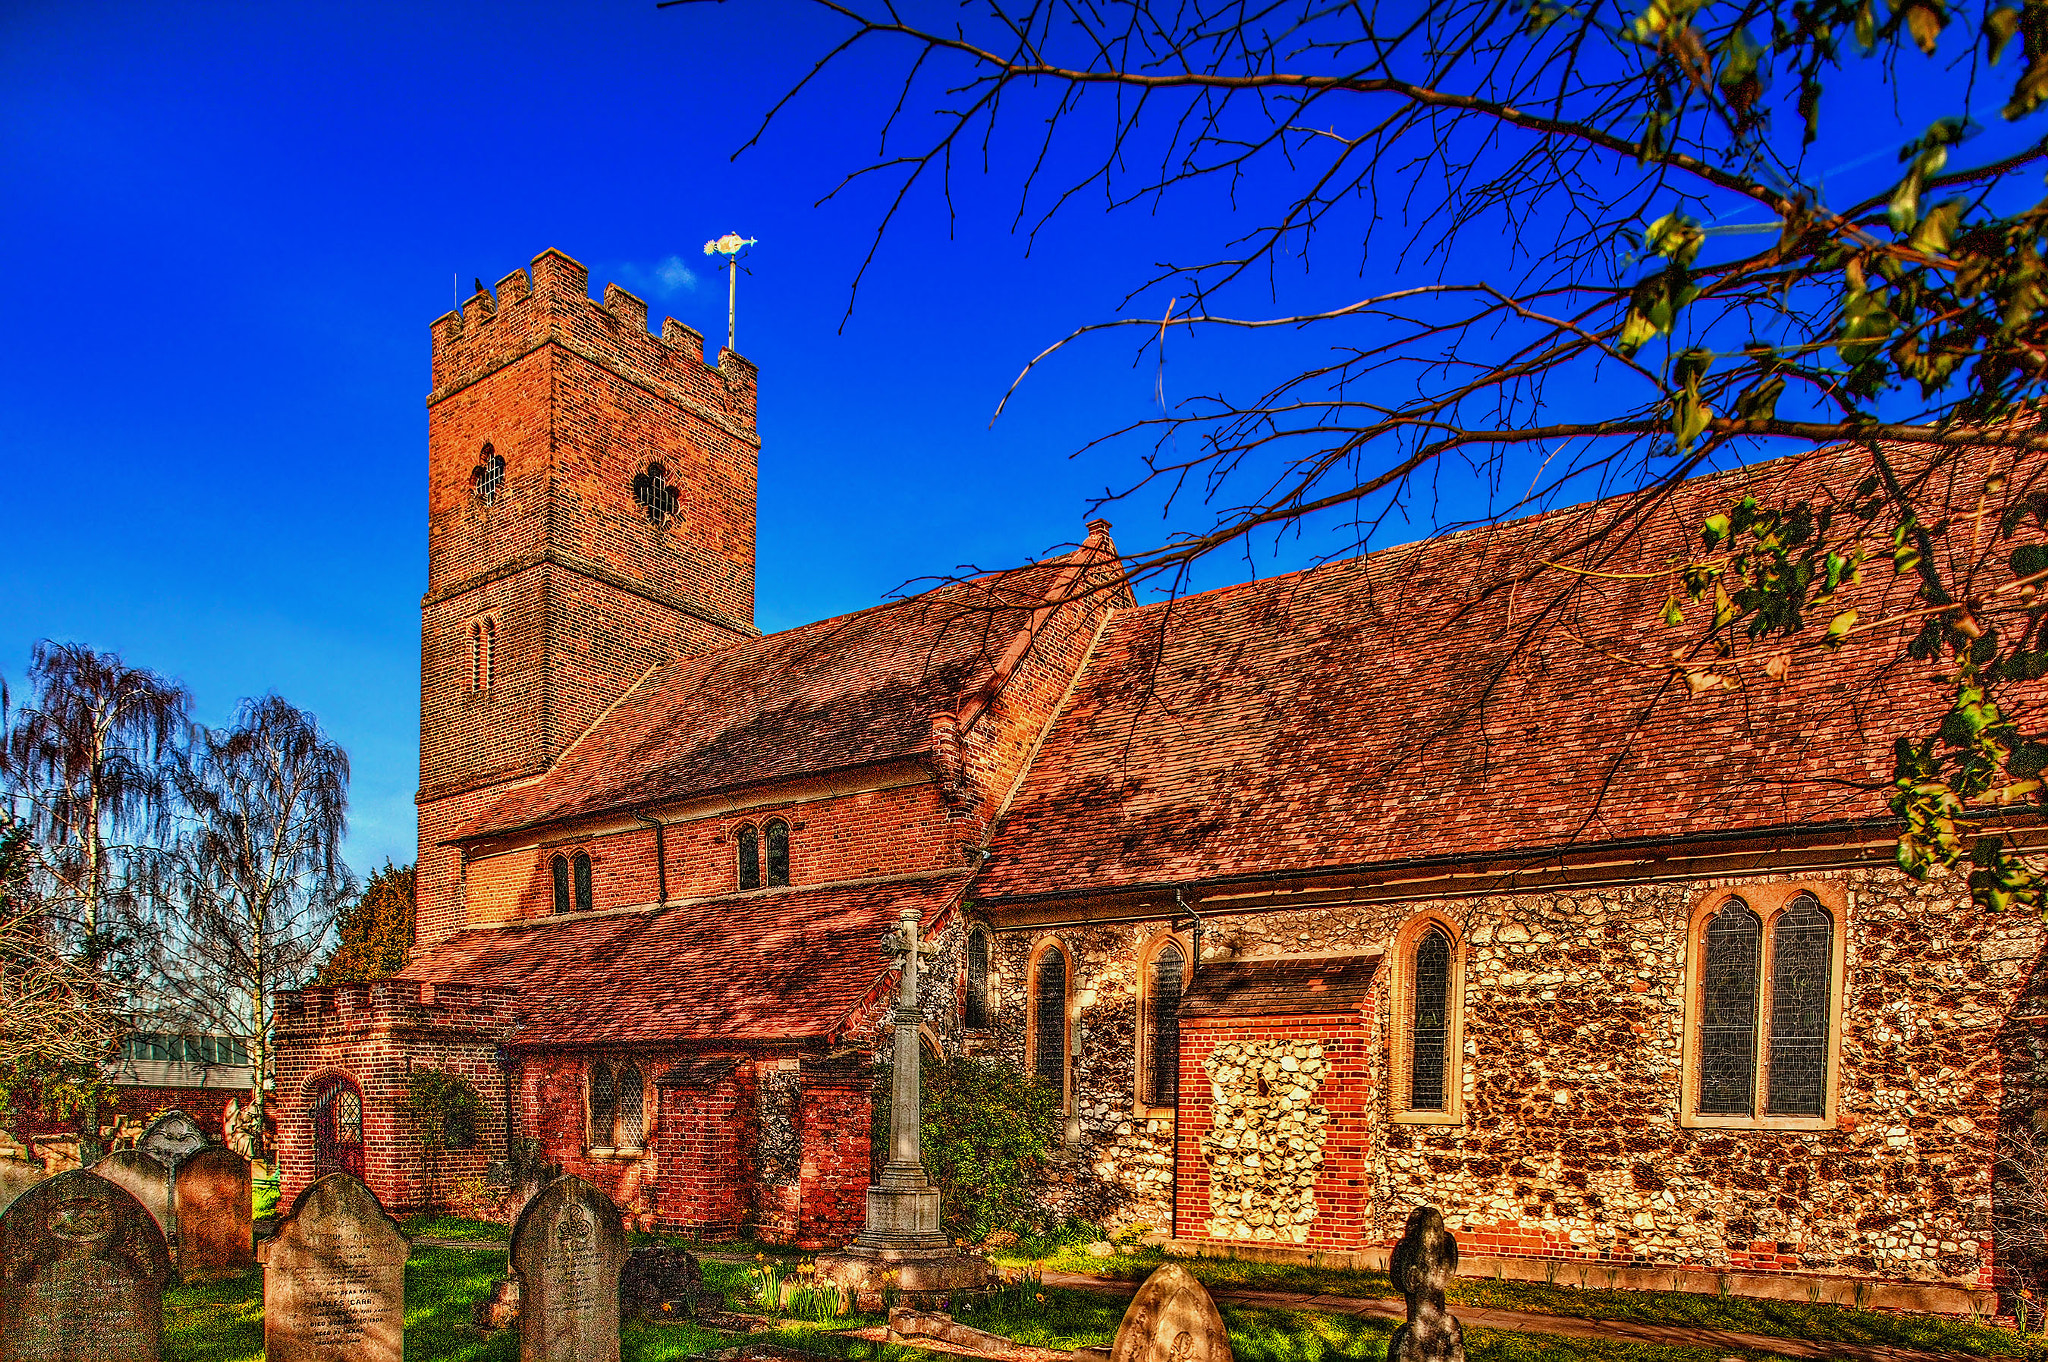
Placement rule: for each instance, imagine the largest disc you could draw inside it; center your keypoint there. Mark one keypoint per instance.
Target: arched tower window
(1159, 1041)
(1730, 973)
(749, 855)
(487, 479)
(630, 1129)
(1049, 1018)
(656, 495)
(776, 834)
(604, 1104)
(1425, 1029)
(560, 866)
(1802, 1004)
(974, 1007)
(584, 902)
(483, 653)
(1429, 1022)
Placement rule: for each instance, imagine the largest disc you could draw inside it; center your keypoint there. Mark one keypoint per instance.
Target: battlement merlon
(389, 1006)
(552, 303)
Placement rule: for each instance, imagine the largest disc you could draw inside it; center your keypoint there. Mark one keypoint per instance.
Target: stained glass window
(604, 1103)
(1049, 1002)
(1162, 1041)
(561, 869)
(975, 1006)
(584, 899)
(1729, 975)
(750, 856)
(1802, 970)
(631, 1128)
(1429, 1024)
(776, 835)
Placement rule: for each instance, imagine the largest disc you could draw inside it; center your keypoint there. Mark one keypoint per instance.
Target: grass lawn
(1783, 1319)
(223, 1322)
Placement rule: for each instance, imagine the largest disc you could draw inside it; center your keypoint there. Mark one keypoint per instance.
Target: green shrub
(987, 1131)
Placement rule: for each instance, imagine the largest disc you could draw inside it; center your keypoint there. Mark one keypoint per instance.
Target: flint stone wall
(1571, 1144)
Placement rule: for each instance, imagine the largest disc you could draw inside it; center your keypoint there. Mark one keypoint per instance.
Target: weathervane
(730, 245)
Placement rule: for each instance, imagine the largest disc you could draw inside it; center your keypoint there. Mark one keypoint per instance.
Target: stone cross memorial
(172, 1138)
(214, 1226)
(334, 1278)
(1171, 1319)
(82, 1273)
(16, 1177)
(143, 1178)
(1422, 1266)
(567, 1250)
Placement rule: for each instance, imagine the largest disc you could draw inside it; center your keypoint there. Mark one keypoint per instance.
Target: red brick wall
(1345, 1186)
(706, 1160)
(836, 1166)
(375, 1034)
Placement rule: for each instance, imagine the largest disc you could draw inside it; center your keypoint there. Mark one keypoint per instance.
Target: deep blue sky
(227, 227)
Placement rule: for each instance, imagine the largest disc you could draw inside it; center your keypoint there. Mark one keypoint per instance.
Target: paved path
(1529, 1322)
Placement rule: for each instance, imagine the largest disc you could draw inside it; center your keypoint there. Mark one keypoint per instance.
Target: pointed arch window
(776, 834)
(585, 900)
(974, 1007)
(1426, 1045)
(749, 842)
(559, 867)
(1161, 982)
(604, 1105)
(1762, 1029)
(1049, 1018)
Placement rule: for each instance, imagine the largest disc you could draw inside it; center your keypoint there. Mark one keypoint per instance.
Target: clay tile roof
(698, 1073)
(784, 965)
(1290, 986)
(1421, 703)
(850, 691)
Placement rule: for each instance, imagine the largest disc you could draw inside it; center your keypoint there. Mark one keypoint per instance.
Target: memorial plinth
(904, 1243)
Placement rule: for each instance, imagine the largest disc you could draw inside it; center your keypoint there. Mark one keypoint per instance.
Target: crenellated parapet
(396, 1006)
(551, 302)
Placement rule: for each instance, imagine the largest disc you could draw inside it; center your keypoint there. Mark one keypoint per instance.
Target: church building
(1417, 877)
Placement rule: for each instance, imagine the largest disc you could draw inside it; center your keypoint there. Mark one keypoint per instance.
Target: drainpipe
(660, 856)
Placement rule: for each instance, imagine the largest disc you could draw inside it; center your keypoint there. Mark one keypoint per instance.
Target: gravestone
(211, 1193)
(172, 1138)
(82, 1273)
(148, 1181)
(16, 1177)
(1422, 1266)
(334, 1278)
(567, 1250)
(1171, 1319)
(660, 1284)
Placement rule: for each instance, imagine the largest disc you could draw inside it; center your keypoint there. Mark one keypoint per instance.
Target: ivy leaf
(1672, 615)
(1714, 529)
(1838, 629)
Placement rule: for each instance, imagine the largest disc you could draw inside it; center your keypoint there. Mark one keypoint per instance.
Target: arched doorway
(337, 1127)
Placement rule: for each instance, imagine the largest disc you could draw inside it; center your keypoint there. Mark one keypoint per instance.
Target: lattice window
(348, 1114)
(974, 1007)
(604, 1104)
(656, 495)
(631, 1127)
(560, 867)
(584, 899)
(776, 835)
(1802, 999)
(1049, 1018)
(1730, 972)
(1162, 1026)
(487, 479)
(1429, 1022)
(750, 856)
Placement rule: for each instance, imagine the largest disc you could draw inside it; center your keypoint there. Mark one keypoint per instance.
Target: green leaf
(1676, 237)
(1999, 27)
(1760, 403)
(1714, 530)
(1924, 20)
(1938, 228)
(1838, 629)
(1672, 615)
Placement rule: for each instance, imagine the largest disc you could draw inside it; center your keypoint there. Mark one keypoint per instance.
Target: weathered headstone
(567, 1251)
(82, 1273)
(16, 1177)
(212, 1202)
(148, 1181)
(334, 1278)
(1171, 1319)
(172, 1138)
(660, 1284)
(1422, 1266)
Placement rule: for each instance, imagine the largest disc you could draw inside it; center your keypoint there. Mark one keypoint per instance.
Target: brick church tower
(590, 514)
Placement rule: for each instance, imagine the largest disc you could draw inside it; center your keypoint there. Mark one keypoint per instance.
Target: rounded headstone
(567, 1249)
(334, 1278)
(82, 1273)
(212, 1198)
(16, 1177)
(172, 1138)
(143, 1178)
(1171, 1319)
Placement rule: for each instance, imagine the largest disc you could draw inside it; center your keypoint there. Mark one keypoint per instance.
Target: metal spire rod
(730, 245)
